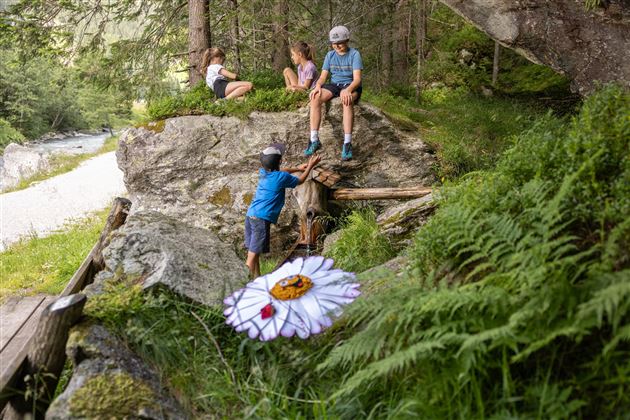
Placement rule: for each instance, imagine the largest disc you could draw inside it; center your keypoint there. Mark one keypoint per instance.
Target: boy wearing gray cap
(344, 65)
(269, 200)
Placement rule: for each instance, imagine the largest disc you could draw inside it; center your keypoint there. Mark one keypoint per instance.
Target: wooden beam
(46, 358)
(379, 193)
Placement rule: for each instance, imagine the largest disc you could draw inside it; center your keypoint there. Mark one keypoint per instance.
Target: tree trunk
(280, 55)
(401, 41)
(421, 36)
(495, 63)
(198, 38)
(235, 35)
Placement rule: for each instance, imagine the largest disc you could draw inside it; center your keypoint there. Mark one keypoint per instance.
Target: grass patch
(200, 100)
(360, 245)
(467, 132)
(62, 163)
(45, 265)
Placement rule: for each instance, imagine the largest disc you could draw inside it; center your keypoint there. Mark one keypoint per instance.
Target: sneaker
(312, 147)
(346, 151)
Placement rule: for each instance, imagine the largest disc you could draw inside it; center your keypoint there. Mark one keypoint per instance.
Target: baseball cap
(274, 149)
(339, 34)
(270, 157)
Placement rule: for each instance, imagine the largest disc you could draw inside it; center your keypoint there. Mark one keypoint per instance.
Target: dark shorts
(336, 89)
(257, 233)
(219, 87)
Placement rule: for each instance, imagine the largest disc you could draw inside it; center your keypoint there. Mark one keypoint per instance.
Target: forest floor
(49, 205)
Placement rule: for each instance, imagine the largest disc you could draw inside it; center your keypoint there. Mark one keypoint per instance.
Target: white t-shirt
(213, 74)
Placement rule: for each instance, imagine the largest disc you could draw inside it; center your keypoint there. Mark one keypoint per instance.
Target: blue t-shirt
(269, 198)
(341, 66)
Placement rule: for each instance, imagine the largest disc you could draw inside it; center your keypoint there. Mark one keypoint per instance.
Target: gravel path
(47, 206)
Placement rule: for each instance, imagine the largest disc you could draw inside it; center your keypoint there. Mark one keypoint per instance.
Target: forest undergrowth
(515, 303)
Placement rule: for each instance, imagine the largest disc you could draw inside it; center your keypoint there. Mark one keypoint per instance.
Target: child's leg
(316, 108)
(236, 89)
(253, 263)
(290, 78)
(348, 122)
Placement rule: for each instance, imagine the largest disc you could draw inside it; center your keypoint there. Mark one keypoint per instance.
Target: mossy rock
(155, 126)
(113, 395)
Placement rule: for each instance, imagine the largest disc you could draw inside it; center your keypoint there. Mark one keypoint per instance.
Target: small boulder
(109, 381)
(157, 249)
(19, 163)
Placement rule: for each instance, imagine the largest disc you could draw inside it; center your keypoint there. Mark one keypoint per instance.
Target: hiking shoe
(346, 152)
(312, 147)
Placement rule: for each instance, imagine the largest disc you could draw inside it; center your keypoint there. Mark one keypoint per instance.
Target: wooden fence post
(45, 359)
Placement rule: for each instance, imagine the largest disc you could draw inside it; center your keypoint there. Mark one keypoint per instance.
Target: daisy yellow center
(291, 287)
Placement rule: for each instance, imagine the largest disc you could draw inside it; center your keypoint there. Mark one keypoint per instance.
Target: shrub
(8, 134)
(360, 245)
(517, 302)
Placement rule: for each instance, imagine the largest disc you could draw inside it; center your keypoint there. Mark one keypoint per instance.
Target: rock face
(160, 250)
(20, 162)
(588, 46)
(108, 381)
(204, 169)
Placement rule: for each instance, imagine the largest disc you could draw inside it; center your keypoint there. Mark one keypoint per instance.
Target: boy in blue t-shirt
(269, 200)
(344, 64)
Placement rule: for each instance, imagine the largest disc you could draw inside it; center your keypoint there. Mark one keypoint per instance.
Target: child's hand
(346, 97)
(316, 91)
(314, 160)
(303, 166)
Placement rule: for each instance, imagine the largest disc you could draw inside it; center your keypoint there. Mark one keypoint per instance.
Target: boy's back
(270, 194)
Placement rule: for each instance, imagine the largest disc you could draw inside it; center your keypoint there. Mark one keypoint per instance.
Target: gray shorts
(257, 233)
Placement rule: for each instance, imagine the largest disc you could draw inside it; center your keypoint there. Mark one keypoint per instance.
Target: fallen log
(379, 193)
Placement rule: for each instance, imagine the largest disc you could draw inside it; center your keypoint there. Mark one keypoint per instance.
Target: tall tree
(280, 54)
(198, 38)
(235, 35)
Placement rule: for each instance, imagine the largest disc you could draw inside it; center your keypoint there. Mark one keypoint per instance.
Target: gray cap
(274, 149)
(339, 34)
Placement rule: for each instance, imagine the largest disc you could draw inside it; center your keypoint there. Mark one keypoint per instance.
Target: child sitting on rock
(269, 200)
(344, 65)
(217, 76)
(302, 55)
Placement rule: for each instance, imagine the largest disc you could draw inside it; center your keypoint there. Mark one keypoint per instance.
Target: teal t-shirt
(269, 198)
(341, 66)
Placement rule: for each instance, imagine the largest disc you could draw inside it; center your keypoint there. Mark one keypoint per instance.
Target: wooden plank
(379, 193)
(46, 355)
(14, 354)
(13, 314)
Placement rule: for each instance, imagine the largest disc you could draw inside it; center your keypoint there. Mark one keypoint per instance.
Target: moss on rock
(112, 395)
(222, 198)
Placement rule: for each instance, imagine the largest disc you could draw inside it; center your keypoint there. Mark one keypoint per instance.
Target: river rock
(204, 169)
(109, 381)
(20, 162)
(155, 249)
(586, 45)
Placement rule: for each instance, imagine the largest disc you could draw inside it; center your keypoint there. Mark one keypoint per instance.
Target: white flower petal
(295, 266)
(311, 265)
(334, 276)
(327, 264)
(246, 312)
(294, 322)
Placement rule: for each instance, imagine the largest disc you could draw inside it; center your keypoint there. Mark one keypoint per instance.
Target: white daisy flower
(298, 298)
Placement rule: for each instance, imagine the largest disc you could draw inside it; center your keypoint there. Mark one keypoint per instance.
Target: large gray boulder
(154, 249)
(589, 46)
(20, 162)
(109, 381)
(204, 169)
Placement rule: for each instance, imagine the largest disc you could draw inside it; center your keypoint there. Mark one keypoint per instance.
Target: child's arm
(291, 170)
(225, 72)
(313, 160)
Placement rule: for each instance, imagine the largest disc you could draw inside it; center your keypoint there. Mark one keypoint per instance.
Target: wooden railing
(37, 365)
